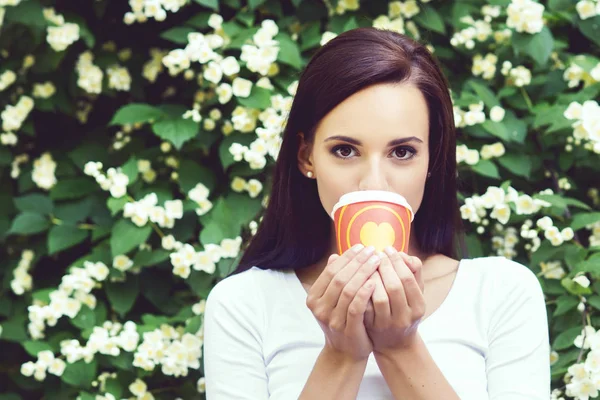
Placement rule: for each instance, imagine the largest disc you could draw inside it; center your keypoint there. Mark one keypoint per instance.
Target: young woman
(295, 320)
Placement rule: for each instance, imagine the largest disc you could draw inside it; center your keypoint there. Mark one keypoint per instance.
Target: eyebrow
(357, 142)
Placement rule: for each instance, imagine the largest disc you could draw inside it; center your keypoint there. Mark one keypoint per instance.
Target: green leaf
(29, 223)
(63, 236)
(538, 46)
(483, 91)
(134, 113)
(85, 318)
(565, 339)
(36, 203)
(565, 304)
(562, 202)
(30, 13)
(122, 295)
(73, 188)
(214, 4)
(191, 173)
(126, 236)
(34, 347)
(430, 19)
(14, 329)
(199, 21)
(225, 155)
(145, 258)
(561, 5)
(518, 164)
(259, 98)
(80, 374)
(255, 3)
(130, 168)
(486, 168)
(178, 34)
(289, 53)
(310, 37)
(594, 301)
(177, 131)
(591, 28)
(581, 220)
(214, 232)
(116, 205)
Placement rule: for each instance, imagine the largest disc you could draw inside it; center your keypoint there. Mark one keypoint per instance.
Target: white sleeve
(234, 367)
(518, 362)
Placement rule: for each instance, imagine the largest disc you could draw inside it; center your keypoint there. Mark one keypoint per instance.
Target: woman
(372, 111)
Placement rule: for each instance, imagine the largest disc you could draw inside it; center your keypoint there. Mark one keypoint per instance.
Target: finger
(322, 282)
(332, 258)
(381, 301)
(414, 296)
(393, 286)
(339, 298)
(356, 309)
(415, 264)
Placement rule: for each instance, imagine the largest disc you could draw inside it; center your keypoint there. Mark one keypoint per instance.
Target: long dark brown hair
(295, 230)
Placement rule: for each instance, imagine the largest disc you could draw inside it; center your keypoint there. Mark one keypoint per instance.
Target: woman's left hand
(398, 302)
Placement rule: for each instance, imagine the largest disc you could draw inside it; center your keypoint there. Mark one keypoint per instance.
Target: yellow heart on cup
(379, 236)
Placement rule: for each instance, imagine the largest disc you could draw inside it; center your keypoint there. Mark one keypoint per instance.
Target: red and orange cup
(374, 218)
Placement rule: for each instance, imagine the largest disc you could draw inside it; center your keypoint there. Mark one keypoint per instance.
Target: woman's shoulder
(505, 274)
(247, 284)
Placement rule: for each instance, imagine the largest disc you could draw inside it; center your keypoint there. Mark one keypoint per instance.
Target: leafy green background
(77, 221)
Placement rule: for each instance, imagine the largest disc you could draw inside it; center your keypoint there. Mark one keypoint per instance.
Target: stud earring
(429, 174)
(309, 174)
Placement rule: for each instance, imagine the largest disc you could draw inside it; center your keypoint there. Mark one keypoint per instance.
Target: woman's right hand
(339, 297)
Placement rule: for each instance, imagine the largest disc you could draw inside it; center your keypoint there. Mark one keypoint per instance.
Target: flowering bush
(136, 139)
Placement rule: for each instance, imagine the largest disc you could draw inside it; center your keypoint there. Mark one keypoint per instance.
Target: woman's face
(376, 139)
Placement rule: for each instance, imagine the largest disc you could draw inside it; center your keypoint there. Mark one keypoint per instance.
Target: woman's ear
(304, 155)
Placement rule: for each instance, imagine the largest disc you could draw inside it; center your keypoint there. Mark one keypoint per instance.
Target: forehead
(383, 110)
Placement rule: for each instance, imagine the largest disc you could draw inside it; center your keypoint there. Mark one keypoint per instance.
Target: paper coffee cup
(374, 218)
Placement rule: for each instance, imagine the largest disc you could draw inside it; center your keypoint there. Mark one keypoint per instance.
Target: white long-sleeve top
(489, 337)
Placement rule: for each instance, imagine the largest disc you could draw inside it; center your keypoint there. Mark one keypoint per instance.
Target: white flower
(472, 157)
(545, 223)
(582, 280)
(525, 16)
(586, 9)
(501, 212)
(122, 263)
(204, 262)
(57, 367)
(118, 78)
(215, 21)
(254, 187)
(174, 209)
(138, 388)
(326, 37)
(199, 192)
(213, 73)
(61, 37)
(526, 205)
(497, 113)
(230, 66)
(238, 184)
(224, 92)
(567, 234)
(230, 248)
(241, 87)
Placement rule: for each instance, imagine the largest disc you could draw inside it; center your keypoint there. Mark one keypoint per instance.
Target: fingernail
(389, 250)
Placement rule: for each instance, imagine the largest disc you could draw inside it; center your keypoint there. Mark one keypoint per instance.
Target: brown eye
(402, 152)
(342, 151)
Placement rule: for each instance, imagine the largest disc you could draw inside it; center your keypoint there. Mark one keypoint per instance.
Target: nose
(373, 178)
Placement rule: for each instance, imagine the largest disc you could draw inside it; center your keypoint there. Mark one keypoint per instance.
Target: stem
(527, 99)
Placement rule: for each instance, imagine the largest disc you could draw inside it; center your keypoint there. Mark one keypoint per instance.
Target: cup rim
(368, 195)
